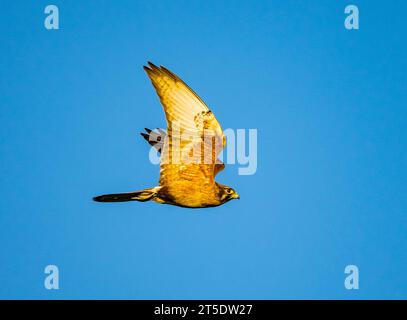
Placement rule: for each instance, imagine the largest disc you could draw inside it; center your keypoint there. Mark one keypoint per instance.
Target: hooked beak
(236, 196)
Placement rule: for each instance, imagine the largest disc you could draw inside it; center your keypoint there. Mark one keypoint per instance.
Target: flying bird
(189, 149)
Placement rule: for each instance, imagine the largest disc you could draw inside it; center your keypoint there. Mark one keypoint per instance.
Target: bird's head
(227, 193)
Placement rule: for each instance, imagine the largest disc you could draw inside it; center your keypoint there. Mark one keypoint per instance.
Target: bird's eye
(229, 190)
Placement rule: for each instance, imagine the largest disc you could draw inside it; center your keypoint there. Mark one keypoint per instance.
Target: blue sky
(329, 105)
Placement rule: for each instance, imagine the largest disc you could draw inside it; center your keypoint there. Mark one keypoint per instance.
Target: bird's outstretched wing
(194, 136)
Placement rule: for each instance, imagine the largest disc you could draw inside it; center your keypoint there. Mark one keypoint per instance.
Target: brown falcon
(189, 149)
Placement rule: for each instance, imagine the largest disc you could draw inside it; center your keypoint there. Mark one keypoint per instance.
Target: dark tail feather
(143, 195)
(155, 138)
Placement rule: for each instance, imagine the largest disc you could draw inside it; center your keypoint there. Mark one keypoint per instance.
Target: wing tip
(145, 136)
(152, 69)
(169, 73)
(152, 66)
(147, 69)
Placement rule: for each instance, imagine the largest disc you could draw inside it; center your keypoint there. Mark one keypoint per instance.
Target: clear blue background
(330, 190)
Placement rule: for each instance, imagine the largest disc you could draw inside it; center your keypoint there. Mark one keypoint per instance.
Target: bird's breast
(189, 196)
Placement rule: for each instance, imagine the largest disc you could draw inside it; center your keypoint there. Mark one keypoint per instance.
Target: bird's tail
(142, 195)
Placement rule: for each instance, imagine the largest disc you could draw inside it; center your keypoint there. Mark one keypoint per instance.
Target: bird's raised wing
(194, 136)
